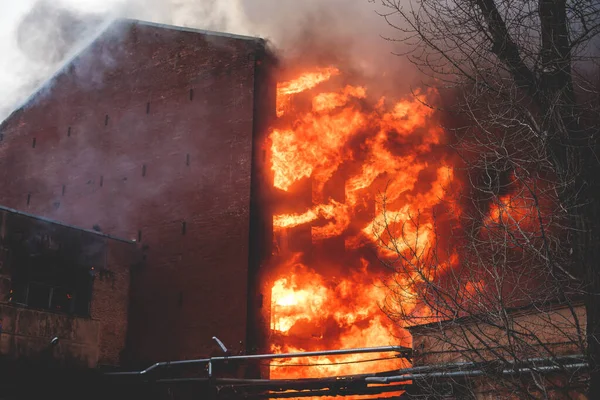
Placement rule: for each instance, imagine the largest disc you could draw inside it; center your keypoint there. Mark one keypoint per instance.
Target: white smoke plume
(37, 36)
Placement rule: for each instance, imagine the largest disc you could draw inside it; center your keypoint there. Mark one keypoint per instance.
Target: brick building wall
(537, 332)
(153, 133)
(110, 300)
(96, 335)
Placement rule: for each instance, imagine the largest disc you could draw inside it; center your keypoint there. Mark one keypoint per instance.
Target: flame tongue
(342, 139)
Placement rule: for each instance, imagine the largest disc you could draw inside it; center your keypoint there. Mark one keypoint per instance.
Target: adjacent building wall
(151, 133)
(532, 332)
(96, 336)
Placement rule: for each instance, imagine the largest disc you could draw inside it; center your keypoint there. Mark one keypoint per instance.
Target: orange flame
(305, 82)
(391, 182)
(305, 306)
(514, 212)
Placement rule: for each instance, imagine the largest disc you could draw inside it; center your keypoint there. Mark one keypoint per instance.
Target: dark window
(52, 271)
(68, 291)
(61, 299)
(38, 295)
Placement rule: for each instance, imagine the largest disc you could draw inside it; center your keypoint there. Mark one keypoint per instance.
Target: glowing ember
(383, 158)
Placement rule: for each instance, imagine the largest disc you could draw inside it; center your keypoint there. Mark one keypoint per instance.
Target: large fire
(356, 174)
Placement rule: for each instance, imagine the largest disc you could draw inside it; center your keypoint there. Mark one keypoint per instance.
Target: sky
(33, 44)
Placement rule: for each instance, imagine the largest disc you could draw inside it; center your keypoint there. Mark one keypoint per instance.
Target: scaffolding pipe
(471, 373)
(381, 349)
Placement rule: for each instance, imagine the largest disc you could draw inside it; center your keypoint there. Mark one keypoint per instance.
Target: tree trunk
(591, 254)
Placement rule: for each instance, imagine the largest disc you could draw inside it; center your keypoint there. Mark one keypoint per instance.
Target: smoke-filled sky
(37, 36)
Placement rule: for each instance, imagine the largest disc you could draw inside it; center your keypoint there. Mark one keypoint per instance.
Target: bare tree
(487, 297)
(523, 76)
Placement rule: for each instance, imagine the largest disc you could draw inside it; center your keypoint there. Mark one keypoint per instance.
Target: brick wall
(531, 332)
(148, 134)
(95, 338)
(110, 300)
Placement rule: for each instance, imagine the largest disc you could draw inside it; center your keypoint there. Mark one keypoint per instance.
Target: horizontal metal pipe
(476, 372)
(142, 372)
(466, 364)
(381, 349)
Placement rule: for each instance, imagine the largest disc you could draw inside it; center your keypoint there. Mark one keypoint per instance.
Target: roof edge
(191, 30)
(50, 221)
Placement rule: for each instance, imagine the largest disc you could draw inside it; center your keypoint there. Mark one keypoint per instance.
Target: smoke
(37, 36)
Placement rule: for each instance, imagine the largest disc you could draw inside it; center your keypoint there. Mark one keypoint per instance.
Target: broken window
(52, 268)
(53, 287)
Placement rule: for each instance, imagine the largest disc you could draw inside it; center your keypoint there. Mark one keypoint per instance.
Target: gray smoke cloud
(37, 36)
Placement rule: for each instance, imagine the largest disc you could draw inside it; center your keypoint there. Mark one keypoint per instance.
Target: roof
(104, 28)
(13, 211)
(192, 30)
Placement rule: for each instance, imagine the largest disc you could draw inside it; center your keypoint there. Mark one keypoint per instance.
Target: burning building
(267, 202)
(261, 207)
(357, 178)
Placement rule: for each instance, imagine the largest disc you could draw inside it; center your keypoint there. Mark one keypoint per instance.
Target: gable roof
(58, 223)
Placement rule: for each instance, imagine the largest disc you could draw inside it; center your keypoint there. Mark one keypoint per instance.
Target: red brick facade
(90, 336)
(153, 133)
